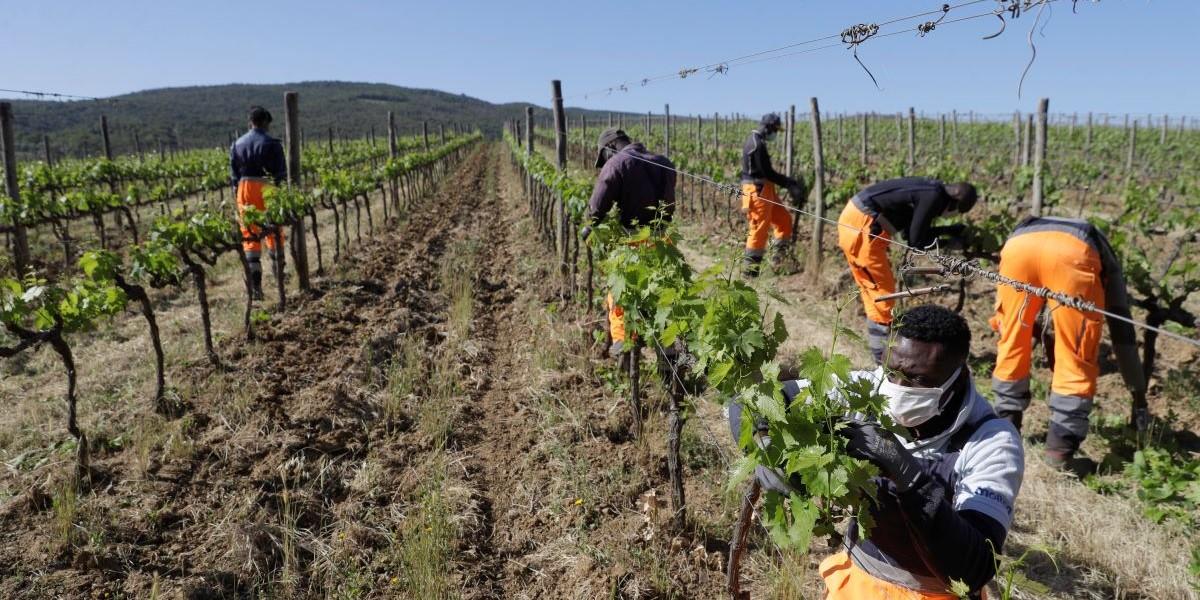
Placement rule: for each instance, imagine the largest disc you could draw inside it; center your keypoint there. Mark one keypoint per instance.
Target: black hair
(936, 324)
(259, 116)
(965, 194)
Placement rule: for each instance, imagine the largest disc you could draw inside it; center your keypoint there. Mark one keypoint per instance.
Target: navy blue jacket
(256, 154)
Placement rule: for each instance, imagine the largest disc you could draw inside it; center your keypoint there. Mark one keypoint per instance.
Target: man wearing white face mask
(945, 498)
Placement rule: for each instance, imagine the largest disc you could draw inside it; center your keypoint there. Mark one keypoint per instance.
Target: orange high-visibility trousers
(845, 581)
(616, 320)
(1064, 263)
(250, 193)
(869, 262)
(764, 212)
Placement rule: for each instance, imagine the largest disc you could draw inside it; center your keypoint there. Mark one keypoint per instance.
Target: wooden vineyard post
(425, 134)
(863, 151)
(912, 141)
(137, 145)
(1027, 141)
(667, 129)
(674, 432)
(330, 141)
(46, 147)
(560, 153)
(104, 137)
(393, 152)
(442, 132)
(291, 103)
(20, 240)
(1132, 148)
(716, 134)
(635, 388)
(737, 542)
(699, 136)
(583, 144)
(941, 136)
(814, 255)
(1087, 141)
(954, 130)
(1039, 157)
(529, 130)
(790, 169)
(1016, 139)
(1162, 136)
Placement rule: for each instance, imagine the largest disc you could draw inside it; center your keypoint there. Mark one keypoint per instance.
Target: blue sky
(1114, 55)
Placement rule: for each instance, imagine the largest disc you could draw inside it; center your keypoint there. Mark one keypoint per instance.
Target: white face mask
(912, 406)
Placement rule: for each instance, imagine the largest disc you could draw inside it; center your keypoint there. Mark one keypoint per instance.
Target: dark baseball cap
(607, 137)
(771, 122)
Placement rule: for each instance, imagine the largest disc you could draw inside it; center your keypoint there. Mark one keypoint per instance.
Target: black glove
(957, 230)
(871, 442)
(585, 232)
(798, 193)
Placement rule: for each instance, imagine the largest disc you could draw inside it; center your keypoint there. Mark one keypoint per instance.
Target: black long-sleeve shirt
(909, 204)
(256, 154)
(638, 183)
(756, 163)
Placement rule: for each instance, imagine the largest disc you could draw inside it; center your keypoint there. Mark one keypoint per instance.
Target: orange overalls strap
(867, 255)
(764, 213)
(250, 193)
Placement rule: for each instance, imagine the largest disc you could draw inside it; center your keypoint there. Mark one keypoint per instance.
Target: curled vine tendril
(857, 34)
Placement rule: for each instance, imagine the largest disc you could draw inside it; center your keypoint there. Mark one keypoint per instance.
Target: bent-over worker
(870, 221)
(641, 185)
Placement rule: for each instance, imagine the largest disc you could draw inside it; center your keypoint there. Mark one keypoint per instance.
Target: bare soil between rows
(213, 522)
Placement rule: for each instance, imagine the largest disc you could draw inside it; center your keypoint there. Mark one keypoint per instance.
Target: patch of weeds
(426, 545)
(65, 505)
(787, 576)
(405, 376)
(259, 317)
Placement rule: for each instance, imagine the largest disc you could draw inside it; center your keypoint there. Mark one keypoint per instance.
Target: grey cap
(607, 137)
(771, 121)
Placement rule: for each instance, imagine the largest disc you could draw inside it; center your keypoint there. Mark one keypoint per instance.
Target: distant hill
(205, 116)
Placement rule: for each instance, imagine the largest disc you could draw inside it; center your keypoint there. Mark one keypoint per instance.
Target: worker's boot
(618, 352)
(256, 292)
(782, 260)
(752, 264)
(1061, 447)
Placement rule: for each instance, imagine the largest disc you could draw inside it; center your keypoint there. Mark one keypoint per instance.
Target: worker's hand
(585, 232)
(798, 194)
(957, 230)
(872, 443)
